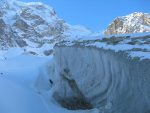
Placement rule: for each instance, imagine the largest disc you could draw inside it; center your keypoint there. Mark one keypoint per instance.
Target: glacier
(48, 65)
(100, 77)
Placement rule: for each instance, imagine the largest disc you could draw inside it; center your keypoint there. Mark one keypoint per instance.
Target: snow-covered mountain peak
(136, 22)
(10, 4)
(39, 9)
(33, 25)
(136, 17)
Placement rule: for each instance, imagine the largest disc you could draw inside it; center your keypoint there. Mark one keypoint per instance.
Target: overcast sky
(95, 14)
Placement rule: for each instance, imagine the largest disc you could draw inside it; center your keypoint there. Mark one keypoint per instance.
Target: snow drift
(90, 77)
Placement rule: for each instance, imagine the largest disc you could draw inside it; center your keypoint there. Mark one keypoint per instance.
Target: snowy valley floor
(24, 85)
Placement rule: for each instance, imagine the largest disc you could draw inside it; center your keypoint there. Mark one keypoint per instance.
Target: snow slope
(17, 84)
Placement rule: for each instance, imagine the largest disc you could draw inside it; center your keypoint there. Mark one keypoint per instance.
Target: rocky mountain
(133, 23)
(33, 25)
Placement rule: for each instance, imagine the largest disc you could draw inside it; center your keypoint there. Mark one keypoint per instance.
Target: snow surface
(136, 45)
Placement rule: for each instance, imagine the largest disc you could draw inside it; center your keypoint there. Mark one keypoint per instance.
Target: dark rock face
(7, 37)
(133, 23)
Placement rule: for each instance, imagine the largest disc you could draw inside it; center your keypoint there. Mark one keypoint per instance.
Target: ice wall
(92, 77)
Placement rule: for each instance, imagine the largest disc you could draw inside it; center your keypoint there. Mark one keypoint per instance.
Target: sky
(95, 14)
